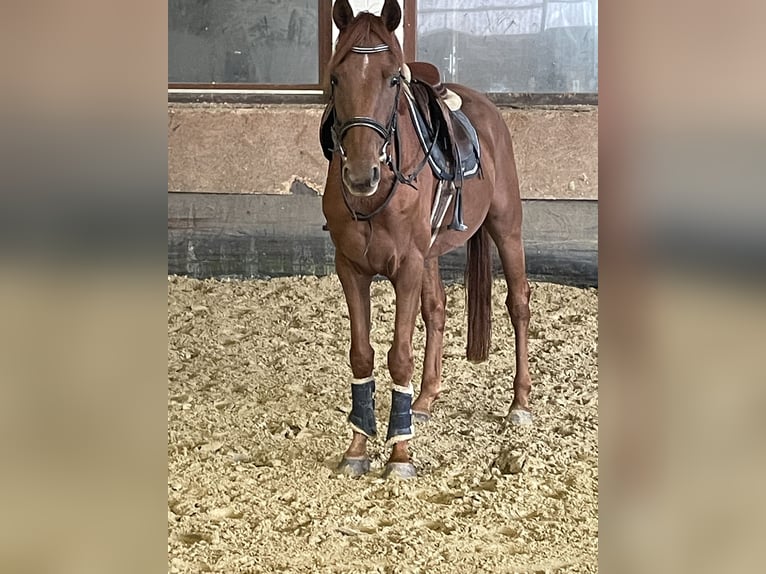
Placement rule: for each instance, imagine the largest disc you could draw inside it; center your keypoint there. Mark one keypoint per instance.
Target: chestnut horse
(378, 202)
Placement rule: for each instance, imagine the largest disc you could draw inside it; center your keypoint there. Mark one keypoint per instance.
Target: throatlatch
(400, 420)
(362, 416)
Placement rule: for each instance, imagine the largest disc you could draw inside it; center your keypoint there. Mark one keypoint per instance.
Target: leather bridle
(386, 132)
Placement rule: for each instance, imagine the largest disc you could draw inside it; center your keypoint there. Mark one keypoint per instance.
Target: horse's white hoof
(520, 417)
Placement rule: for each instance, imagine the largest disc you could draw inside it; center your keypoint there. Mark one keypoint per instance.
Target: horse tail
(478, 284)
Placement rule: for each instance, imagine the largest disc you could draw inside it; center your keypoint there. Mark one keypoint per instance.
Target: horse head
(365, 79)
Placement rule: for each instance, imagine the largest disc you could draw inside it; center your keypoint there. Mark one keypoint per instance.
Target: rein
(388, 132)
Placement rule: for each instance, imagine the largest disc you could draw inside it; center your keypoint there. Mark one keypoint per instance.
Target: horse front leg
(433, 310)
(356, 288)
(407, 285)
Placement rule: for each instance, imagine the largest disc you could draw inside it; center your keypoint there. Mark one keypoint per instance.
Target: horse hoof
(421, 417)
(520, 417)
(354, 466)
(399, 470)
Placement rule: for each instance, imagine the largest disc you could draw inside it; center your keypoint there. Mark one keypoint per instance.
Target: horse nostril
(375, 174)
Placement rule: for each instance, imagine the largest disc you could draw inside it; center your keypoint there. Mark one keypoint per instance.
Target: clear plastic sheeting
(512, 45)
(567, 14)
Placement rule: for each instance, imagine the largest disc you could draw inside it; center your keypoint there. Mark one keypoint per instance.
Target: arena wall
(275, 149)
(245, 181)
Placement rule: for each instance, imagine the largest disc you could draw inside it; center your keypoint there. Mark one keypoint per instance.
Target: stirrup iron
(457, 216)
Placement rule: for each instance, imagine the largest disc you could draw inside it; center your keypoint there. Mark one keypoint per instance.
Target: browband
(370, 49)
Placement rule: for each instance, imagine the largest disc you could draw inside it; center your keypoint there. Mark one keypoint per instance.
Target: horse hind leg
(433, 308)
(506, 233)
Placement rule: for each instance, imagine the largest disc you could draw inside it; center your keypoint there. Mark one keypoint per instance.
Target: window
(246, 43)
(500, 47)
(516, 46)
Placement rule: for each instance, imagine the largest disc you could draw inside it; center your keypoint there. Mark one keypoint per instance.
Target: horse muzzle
(361, 182)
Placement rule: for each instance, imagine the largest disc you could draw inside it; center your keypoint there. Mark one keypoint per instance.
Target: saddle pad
(453, 101)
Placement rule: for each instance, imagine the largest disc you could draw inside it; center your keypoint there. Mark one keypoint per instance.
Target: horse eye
(334, 80)
(395, 80)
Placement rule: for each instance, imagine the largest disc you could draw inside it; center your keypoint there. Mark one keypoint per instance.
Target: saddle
(441, 125)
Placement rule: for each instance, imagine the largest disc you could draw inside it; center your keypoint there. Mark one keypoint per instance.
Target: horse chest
(373, 249)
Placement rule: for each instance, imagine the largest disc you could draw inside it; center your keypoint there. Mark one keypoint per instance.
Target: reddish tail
(478, 284)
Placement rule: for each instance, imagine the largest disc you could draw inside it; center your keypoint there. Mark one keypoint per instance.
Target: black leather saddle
(455, 153)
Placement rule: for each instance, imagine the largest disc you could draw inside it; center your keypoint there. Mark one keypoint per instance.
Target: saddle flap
(466, 138)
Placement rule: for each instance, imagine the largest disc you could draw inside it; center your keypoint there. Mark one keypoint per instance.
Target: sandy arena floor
(257, 400)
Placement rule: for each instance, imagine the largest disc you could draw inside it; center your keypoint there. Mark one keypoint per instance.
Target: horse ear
(342, 14)
(391, 14)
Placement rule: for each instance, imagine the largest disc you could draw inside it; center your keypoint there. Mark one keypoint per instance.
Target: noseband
(388, 132)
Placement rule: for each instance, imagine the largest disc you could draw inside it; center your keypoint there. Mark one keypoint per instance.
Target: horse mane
(358, 33)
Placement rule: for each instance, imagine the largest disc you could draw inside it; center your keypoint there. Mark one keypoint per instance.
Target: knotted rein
(388, 132)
